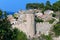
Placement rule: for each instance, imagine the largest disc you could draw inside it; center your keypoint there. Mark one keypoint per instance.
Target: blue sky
(16, 5)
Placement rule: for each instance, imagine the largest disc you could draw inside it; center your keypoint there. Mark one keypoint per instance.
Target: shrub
(51, 21)
(53, 15)
(38, 20)
(46, 37)
(56, 29)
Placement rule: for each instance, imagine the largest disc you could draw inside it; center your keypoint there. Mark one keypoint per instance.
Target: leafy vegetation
(19, 34)
(56, 29)
(48, 5)
(43, 37)
(51, 21)
(38, 20)
(32, 6)
(53, 15)
(0, 12)
(15, 16)
(55, 6)
(7, 32)
(46, 37)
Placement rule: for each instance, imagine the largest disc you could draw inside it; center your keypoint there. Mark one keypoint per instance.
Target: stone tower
(30, 24)
(25, 23)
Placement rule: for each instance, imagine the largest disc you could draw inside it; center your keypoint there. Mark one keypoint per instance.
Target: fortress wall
(27, 26)
(43, 28)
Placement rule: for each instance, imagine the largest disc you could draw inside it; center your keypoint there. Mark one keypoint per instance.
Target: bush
(38, 20)
(53, 15)
(51, 21)
(46, 37)
(7, 32)
(56, 29)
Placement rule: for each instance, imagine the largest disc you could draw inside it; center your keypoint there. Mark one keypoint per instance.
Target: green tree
(7, 32)
(51, 21)
(56, 29)
(53, 15)
(32, 6)
(19, 35)
(48, 5)
(43, 37)
(41, 6)
(56, 6)
(38, 20)
(46, 37)
(0, 12)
